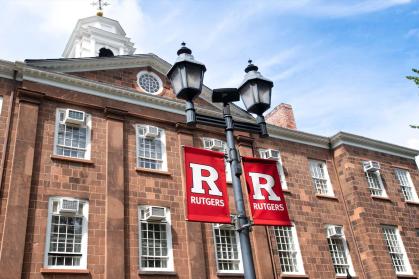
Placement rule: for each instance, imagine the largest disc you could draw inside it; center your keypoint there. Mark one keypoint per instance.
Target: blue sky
(340, 64)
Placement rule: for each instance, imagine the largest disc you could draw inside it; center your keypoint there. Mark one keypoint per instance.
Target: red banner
(206, 186)
(266, 198)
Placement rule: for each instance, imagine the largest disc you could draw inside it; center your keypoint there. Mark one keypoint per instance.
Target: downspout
(8, 127)
(347, 211)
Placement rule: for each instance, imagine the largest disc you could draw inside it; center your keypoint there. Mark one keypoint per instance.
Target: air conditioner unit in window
(371, 166)
(151, 131)
(270, 154)
(223, 226)
(334, 231)
(214, 144)
(155, 213)
(68, 206)
(74, 117)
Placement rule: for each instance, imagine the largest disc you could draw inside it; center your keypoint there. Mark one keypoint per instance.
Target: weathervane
(100, 4)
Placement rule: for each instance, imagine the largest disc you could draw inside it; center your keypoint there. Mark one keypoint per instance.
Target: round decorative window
(149, 82)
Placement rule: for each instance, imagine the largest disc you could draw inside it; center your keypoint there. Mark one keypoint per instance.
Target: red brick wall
(310, 213)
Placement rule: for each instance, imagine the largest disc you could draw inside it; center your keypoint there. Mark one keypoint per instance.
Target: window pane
(287, 249)
(65, 238)
(227, 250)
(395, 249)
(149, 150)
(154, 243)
(71, 140)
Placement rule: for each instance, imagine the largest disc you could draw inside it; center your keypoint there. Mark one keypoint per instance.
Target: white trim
(236, 234)
(170, 265)
(372, 144)
(380, 182)
(163, 146)
(153, 75)
(403, 250)
(300, 263)
(410, 181)
(88, 126)
(1, 105)
(280, 168)
(83, 260)
(347, 253)
(330, 191)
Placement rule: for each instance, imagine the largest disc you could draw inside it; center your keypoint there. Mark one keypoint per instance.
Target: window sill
(230, 274)
(289, 275)
(381, 198)
(345, 276)
(70, 159)
(406, 276)
(156, 272)
(321, 196)
(153, 171)
(412, 203)
(64, 271)
(286, 191)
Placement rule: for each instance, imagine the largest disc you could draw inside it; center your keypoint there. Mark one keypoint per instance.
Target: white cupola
(98, 35)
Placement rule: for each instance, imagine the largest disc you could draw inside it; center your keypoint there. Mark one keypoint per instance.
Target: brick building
(89, 144)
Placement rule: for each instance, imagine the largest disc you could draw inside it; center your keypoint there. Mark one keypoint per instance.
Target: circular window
(149, 82)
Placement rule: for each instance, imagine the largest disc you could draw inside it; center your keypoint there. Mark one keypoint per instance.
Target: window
(339, 250)
(289, 250)
(396, 250)
(72, 134)
(66, 243)
(275, 155)
(375, 183)
(1, 104)
(221, 146)
(149, 82)
(406, 185)
(155, 239)
(227, 249)
(151, 148)
(320, 177)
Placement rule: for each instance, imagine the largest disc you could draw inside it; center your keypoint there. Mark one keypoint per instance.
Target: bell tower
(98, 36)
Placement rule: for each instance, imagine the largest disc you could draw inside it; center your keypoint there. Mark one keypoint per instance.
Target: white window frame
(153, 75)
(83, 260)
(163, 147)
(1, 104)
(87, 125)
(240, 258)
(326, 177)
(369, 176)
(401, 247)
(229, 178)
(280, 167)
(346, 250)
(167, 221)
(296, 250)
(409, 184)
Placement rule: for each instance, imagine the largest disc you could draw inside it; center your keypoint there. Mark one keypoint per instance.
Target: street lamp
(186, 77)
(255, 91)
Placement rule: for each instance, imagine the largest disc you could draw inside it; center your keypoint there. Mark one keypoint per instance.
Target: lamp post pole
(242, 222)
(186, 77)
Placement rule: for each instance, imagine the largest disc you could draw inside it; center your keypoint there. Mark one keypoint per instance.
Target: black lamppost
(186, 77)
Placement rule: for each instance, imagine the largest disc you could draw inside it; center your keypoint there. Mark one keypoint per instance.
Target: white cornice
(298, 136)
(371, 144)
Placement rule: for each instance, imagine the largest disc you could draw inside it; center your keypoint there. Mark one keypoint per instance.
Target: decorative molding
(298, 136)
(343, 138)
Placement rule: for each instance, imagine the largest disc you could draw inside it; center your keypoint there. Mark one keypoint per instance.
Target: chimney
(282, 116)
